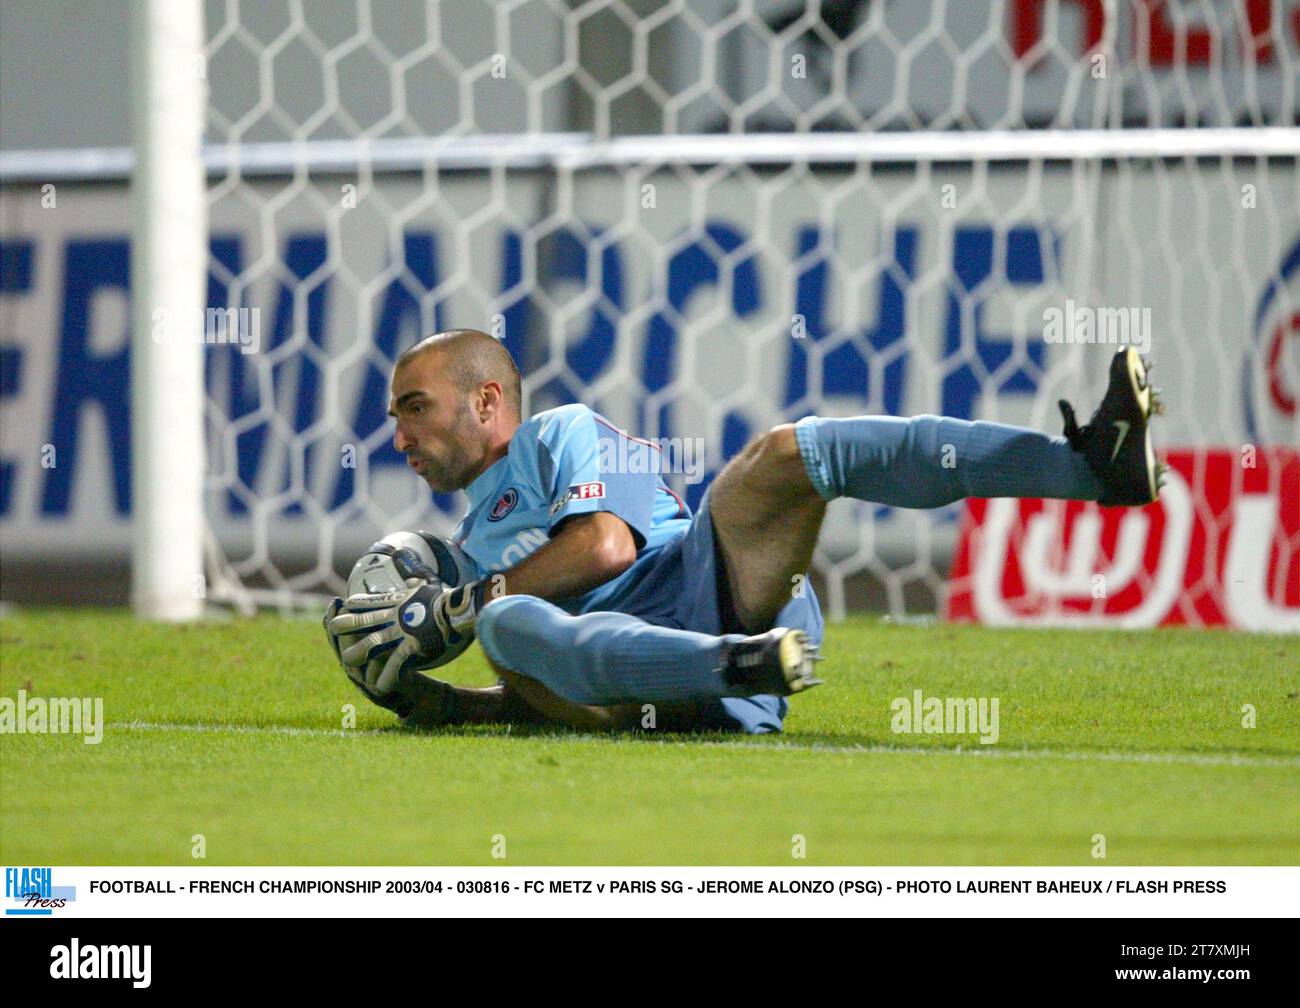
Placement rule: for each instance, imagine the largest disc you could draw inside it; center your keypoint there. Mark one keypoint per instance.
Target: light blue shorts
(684, 585)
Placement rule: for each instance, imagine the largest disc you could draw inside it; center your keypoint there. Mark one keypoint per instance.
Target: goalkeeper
(604, 603)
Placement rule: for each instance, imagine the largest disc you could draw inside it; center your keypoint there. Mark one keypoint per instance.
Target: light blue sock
(929, 461)
(601, 657)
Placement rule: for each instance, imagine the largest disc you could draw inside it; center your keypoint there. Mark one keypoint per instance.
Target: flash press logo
(31, 892)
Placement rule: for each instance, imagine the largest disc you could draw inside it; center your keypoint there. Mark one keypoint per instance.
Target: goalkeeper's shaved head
(471, 358)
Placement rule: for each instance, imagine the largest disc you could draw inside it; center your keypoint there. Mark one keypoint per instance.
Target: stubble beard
(459, 469)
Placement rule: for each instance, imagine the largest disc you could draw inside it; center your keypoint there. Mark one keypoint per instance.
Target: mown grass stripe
(1190, 759)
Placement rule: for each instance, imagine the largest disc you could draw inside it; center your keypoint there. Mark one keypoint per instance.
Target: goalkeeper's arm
(424, 619)
(585, 552)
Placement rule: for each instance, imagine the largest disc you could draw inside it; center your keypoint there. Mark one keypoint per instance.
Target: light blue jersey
(654, 631)
(569, 461)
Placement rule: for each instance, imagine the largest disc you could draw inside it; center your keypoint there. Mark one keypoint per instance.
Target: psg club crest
(504, 505)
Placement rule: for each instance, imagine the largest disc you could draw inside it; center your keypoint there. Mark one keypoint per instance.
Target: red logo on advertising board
(1220, 547)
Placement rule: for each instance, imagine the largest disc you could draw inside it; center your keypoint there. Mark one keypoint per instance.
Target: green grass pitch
(233, 730)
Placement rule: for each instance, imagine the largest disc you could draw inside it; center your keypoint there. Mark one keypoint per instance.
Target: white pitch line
(992, 752)
(236, 729)
(1100, 756)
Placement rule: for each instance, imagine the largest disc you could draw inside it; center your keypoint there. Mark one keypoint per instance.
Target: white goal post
(169, 258)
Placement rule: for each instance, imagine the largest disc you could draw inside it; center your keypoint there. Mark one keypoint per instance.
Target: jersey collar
(486, 481)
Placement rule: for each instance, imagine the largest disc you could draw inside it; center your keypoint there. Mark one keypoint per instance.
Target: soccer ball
(376, 570)
(380, 569)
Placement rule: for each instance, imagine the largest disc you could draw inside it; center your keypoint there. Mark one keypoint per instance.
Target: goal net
(707, 218)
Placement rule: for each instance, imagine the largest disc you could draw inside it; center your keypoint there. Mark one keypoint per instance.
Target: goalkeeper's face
(437, 429)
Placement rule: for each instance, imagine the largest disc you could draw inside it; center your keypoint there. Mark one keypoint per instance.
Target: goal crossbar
(577, 151)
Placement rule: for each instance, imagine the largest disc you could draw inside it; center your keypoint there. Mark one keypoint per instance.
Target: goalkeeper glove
(409, 629)
(396, 697)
